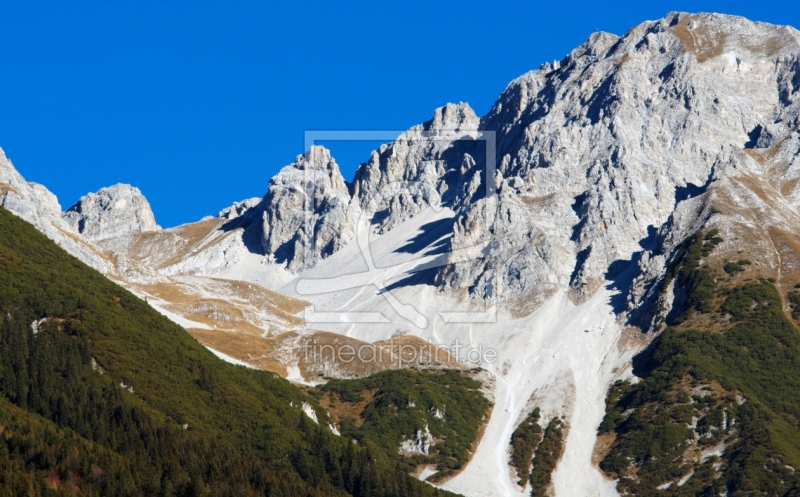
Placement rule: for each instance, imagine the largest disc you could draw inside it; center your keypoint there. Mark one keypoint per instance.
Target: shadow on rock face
(253, 230)
(433, 239)
(621, 273)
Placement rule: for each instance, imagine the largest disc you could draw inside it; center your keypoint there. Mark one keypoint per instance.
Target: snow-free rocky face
(605, 161)
(111, 212)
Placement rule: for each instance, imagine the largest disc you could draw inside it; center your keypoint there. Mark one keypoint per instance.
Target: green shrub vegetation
(737, 391)
(712, 239)
(524, 441)
(448, 402)
(698, 282)
(535, 452)
(732, 268)
(794, 302)
(547, 456)
(109, 398)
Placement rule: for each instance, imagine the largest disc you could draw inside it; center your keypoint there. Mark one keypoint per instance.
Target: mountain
(101, 395)
(37, 205)
(111, 212)
(611, 211)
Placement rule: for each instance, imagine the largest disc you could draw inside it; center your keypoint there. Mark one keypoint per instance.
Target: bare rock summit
(305, 210)
(110, 212)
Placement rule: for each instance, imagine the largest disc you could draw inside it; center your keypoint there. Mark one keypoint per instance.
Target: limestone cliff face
(594, 156)
(30, 201)
(602, 162)
(37, 205)
(429, 164)
(111, 212)
(595, 151)
(305, 211)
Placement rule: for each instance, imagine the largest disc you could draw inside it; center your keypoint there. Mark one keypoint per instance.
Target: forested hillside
(440, 411)
(718, 409)
(101, 395)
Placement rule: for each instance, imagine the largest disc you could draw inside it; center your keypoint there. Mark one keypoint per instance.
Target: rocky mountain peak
(596, 45)
(429, 163)
(602, 146)
(453, 117)
(31, 201)
(110, 212)
(305, 210)
(593, 154)
(606, 161)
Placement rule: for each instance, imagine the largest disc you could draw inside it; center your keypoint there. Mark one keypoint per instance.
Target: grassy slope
(246, 433)
(737, 390)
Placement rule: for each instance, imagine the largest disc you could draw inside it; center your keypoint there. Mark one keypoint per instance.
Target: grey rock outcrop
(595, 151)
(305, 211)
(430, 163)
(311, 212)
(37, 205)
(238, 209)
(110, 212)
(30, 201)
(593, 154)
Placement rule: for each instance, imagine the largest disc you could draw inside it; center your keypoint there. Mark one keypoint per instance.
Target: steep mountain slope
(716, 411)
(111, 212)
(101, 395)
(37, 205)
(545, 231)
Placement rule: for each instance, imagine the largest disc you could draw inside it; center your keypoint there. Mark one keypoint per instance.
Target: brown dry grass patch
(763, 191)
(700, 42)
(765, 154)
(196, 232)
(632, 338)
(706, 44)
(769, 47)
(579, 296)
(787, 187)
(192, 246)
(216, 313)
(253, 350)
(601, 447)
(788, 247)
(756, 154)
(170, 246)
(5, 188)
(318, 355)
(170, 292)
(154, 245)
(273, 302)
(341, 410)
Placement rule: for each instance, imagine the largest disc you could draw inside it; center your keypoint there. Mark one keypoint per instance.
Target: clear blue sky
(200, 103)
